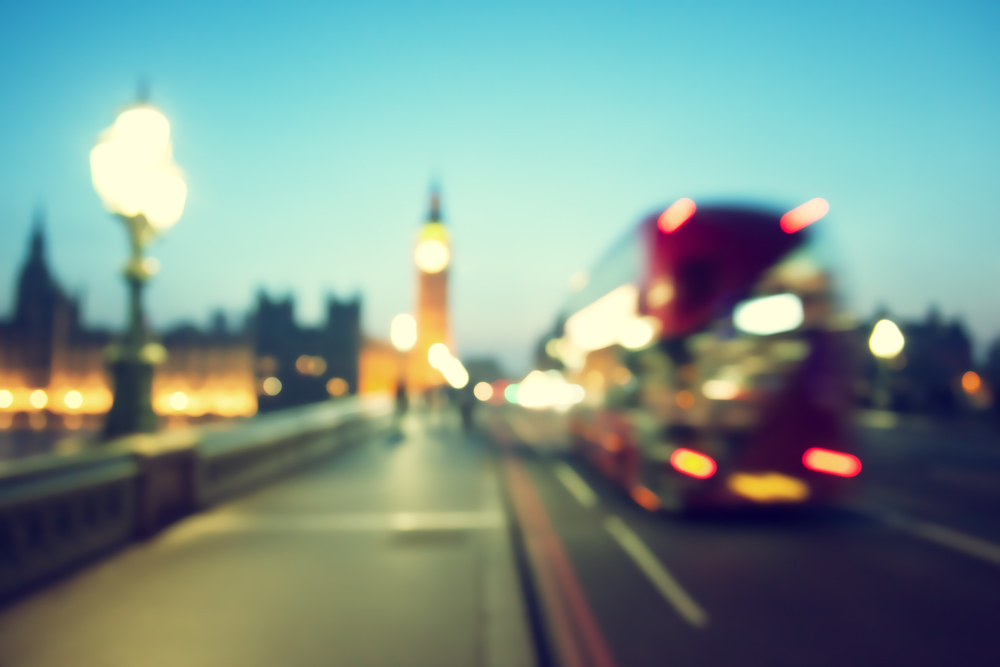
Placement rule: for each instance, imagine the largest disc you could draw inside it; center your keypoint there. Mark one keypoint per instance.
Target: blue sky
(309, 135)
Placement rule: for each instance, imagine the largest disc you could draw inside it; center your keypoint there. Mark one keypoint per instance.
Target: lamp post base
(132, 409)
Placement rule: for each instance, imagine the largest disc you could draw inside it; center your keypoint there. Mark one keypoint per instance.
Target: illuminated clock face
(431, 256)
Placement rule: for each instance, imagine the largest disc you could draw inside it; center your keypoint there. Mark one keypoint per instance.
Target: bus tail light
(831, 462)
(692, 463)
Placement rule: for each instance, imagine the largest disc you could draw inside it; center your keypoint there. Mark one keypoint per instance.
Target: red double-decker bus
(716, 360)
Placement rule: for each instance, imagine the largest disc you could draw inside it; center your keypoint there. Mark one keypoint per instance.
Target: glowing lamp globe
(887, 340)
(133, 170)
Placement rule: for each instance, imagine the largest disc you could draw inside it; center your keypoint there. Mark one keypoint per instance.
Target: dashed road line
(664, 582)
(944, 536)
(578, 488)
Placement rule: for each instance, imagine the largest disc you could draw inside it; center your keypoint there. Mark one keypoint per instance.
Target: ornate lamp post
(134, 174)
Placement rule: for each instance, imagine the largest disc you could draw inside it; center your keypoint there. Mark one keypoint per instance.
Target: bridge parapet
(59, 511)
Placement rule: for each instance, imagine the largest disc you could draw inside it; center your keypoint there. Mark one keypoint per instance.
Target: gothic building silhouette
(53, 374)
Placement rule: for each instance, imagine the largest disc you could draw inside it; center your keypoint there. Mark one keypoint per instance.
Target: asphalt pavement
(398, 551)
(907, 573)
(393, 552)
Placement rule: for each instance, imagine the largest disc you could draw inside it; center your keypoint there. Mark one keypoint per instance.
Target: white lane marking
(575, 485)
(233, 522)
(948, 537)
(877, 418)
(664, 582)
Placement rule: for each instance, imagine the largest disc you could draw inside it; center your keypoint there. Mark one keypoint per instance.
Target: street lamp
(886, 342)
(135, 176)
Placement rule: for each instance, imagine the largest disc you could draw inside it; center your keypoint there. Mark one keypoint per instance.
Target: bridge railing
(59, 511)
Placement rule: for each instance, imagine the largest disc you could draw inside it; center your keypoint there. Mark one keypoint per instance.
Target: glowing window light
(510, 393)
(431, 256)
(73, 399)
(829, 461)
(38, 399)
(768, 487)
(403, 332)
(720, 390)
(6, 398)
(769, 315)
(887, 340)
(692, 463)
(803, 216)
(675, 216)
(638, 333)
(600, 324)
(548, 390)
(272, 386)
(971, 382)
(483, 391)
(178, 400)
(337, 386)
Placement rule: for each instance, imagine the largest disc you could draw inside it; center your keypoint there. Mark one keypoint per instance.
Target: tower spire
(37, 251)
(435, 211)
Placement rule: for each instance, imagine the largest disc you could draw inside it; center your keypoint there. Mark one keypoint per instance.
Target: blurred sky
(309, 135)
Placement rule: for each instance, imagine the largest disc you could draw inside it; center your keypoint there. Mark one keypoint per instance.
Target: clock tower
(432, 256)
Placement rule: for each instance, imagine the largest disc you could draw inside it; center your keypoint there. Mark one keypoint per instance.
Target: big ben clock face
(431, 256)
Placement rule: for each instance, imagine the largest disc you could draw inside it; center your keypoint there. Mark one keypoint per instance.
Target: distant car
(715, 359)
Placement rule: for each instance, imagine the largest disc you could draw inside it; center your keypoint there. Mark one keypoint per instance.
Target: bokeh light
(451, 368)
(676, 215)
(38, 399)
(272, 386)
(483, 391)
(431, 256)
(886, 340)
(178, 400)
(834, 463)
(804, 215)
(692, 463)
(769, 315)
(73, 399)
(337, 386)
(133, 170)
(403, 332)
(971, 382)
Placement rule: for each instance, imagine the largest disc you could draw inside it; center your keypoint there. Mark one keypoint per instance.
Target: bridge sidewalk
(394, 552)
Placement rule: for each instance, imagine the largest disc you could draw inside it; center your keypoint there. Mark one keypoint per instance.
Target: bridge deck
(392, 552)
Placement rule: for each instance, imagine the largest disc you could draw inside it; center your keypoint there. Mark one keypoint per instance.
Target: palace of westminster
(53, 368)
